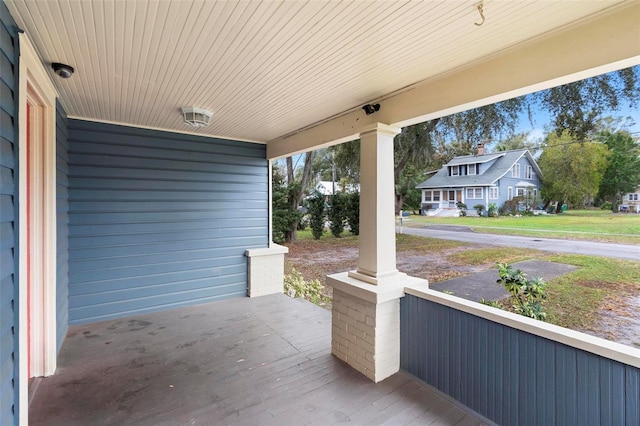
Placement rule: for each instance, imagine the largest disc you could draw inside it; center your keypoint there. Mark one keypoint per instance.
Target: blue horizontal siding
(513, 377)
(9, 385)
(159, 219)
(62, 231)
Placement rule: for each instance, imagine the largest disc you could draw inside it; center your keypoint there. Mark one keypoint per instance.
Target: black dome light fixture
(371, 108)
(62, 70)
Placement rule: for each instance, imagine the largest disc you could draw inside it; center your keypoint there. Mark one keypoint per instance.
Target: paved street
(464, 234)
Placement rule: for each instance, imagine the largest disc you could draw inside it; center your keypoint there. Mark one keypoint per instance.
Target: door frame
(35, 85)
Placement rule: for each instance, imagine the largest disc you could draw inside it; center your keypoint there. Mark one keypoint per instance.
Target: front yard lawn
(594, 225)
(601, 297)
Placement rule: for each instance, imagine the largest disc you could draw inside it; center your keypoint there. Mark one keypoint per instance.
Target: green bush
(527, 294)
(296, 286)
(493, 210)
(352, 212)
(462, 208)
(607, 206)
(336, 214)
(479, 208)
(316, 214)
(284, 219)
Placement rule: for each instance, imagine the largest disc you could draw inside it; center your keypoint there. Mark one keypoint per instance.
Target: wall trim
(33, 78)
(162, 129)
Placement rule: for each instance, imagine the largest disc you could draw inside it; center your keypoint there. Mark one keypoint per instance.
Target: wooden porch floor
(263, 361)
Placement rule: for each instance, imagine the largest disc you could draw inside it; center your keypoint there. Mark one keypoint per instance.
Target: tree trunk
(614, 203)
(559, 207)
(399, 203)
(296, 190)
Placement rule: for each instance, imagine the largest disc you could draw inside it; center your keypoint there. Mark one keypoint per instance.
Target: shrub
(316, 214)
(336, 214)
(352, 212)
(284, 219)
(296, 286)
(462, 208)
(493, 210)
(527, 294)
(479, 208)
(607, 206)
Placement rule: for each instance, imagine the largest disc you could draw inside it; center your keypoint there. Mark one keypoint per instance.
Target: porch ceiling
(268, 69)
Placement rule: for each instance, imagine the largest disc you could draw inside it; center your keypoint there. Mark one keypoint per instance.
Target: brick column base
(365, 322)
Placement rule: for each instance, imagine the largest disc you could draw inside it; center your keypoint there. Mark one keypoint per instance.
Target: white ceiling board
(267, 69)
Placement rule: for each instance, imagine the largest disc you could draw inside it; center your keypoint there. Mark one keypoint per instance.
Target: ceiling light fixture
(63, 70)
(196, 117)
(371, 108)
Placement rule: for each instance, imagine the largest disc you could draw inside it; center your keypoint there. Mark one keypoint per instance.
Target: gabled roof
(503, 162)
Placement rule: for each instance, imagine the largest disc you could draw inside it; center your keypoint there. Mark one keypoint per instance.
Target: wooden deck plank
(242, 361)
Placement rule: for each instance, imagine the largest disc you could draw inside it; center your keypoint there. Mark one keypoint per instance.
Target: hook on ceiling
(481, 12)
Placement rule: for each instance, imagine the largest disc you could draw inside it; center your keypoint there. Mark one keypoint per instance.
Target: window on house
(520, 192)
(528, 172)
(510, 193)
(494, 193)
(427, 196)
(471, 169)
(515, 171)
(455, 170)
(436, 196)
(474, 193)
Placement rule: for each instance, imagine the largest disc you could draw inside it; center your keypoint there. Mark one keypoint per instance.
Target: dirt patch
(618, 319)
(316, 261)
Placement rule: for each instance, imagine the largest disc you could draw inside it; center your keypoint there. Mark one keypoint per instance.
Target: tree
(516, 141)
(571, 170)
(623, 170)
(352, 212)
(346, 159)
(336, 213)
(296, 186)
(316, 214)
(284, 219)
(577, 107)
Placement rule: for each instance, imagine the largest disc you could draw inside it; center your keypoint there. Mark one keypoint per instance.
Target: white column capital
(380, 128)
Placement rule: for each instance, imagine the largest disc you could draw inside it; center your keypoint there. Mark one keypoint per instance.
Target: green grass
(575, 297)
(495, 255)
(595, 225)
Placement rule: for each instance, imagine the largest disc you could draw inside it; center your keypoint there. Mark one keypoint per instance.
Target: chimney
(480, 149)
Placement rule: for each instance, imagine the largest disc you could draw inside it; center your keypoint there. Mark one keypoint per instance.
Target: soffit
(266, 69)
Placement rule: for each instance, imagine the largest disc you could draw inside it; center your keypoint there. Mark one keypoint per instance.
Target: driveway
(464, 234)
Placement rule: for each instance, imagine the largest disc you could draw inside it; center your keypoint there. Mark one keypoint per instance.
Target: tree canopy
(623, 170)
(571, 169)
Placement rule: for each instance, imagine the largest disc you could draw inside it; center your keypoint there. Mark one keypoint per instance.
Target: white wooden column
(365, 323)
(377, 258)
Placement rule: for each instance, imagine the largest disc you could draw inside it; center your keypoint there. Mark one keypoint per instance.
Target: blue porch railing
(514, 370)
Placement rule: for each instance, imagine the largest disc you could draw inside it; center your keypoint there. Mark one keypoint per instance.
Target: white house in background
(631, 202)
(326, 187)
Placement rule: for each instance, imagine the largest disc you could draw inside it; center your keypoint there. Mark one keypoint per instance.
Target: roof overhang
(295, 75)
(595, 46)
